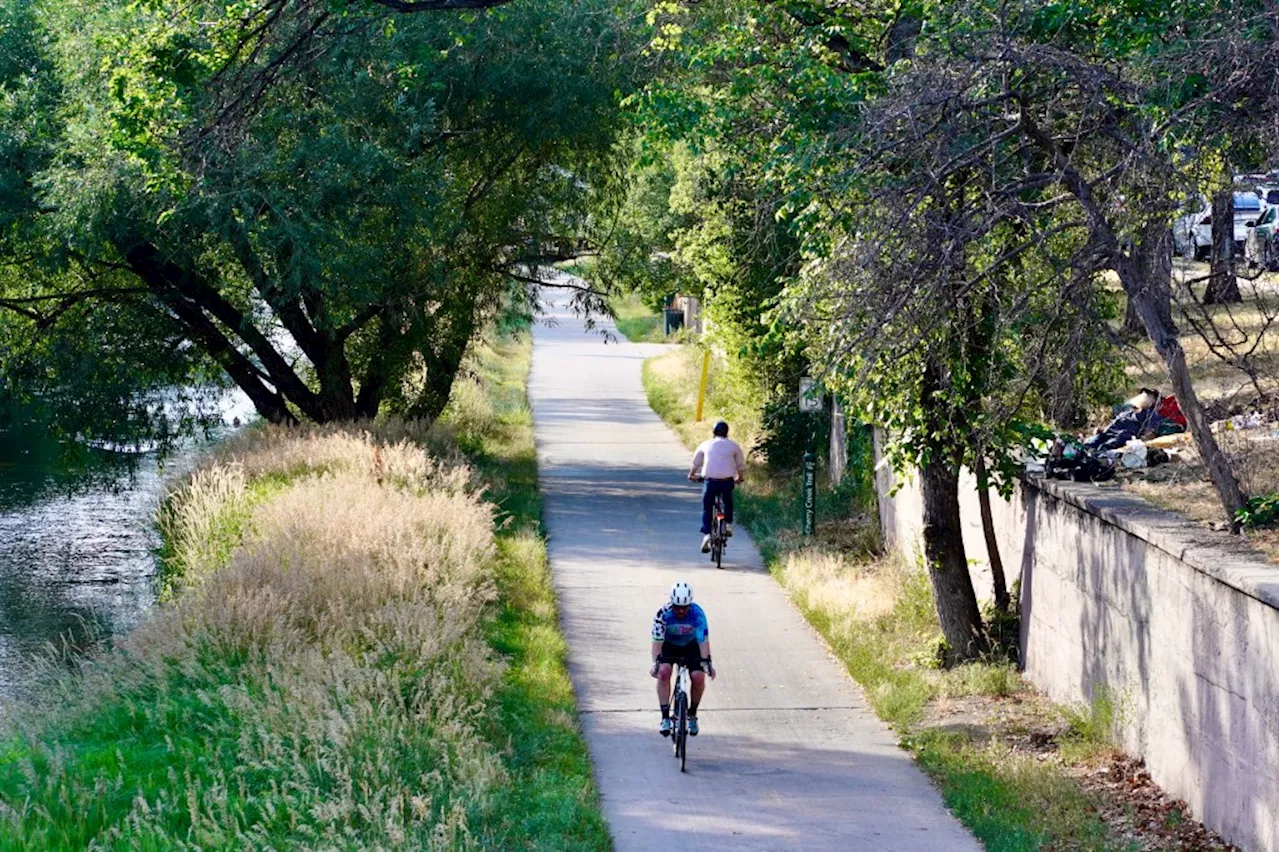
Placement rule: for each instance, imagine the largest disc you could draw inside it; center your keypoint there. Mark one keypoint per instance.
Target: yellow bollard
(702, 386)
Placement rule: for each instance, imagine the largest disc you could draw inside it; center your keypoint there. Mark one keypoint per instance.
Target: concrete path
(789, 756)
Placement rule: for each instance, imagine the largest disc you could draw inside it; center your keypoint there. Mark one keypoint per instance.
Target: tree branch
(438, 5)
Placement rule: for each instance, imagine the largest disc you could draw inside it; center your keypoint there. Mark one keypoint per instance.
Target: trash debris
(1146, 430)
(1134, 455)
(1128, 424)
(1070, 460)
(1165, 442)
(1252, 420)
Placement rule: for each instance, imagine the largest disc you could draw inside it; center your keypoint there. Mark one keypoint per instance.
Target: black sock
(693, 709)
(666, 710)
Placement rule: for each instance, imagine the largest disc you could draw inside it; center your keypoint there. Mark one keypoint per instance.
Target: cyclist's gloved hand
(708, 668)
(653, 670)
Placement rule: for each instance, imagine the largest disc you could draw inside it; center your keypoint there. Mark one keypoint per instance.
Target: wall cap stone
(1220, 555)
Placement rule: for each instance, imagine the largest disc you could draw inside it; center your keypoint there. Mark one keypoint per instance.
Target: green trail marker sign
(810, 493)
(810, 403)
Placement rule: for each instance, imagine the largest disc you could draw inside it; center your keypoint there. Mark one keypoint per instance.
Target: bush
(786, 433)
(1259, 512)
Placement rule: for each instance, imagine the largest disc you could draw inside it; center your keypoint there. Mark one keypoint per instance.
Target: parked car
(1261, 246)
(1270, 195)
(1192, 234)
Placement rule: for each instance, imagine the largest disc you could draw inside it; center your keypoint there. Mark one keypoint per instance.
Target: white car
(1192, 234)
(1261, 247)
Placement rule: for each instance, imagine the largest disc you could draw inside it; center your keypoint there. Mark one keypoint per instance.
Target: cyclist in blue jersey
(680, 633)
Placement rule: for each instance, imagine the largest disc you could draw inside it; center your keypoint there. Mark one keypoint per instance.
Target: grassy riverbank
(1019, 772)
(350, 656)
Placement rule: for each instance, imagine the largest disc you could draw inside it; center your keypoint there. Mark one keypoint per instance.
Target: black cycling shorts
(690, 655)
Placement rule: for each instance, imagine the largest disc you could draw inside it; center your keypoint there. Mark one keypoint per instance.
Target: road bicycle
(679, 708)
(719, 541)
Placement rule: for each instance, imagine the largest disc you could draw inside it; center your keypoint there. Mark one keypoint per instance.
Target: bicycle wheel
(676, 700)
(682, 728)
(722, 538)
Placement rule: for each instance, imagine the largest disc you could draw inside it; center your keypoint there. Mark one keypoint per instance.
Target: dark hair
(721, 429)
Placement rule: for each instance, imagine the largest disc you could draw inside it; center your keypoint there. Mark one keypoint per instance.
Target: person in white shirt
(720, 463)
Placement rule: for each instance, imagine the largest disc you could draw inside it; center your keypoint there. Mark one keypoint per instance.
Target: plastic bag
(1134, 455)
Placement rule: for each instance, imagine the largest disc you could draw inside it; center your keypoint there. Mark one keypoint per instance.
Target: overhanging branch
(438, 5)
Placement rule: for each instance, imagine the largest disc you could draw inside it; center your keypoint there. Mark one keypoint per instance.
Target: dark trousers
(710, 488)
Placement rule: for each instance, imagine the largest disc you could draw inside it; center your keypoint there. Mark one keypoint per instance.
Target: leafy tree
(322, 203)
(957, 178)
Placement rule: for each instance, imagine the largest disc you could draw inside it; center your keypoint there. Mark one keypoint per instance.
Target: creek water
(77, 550)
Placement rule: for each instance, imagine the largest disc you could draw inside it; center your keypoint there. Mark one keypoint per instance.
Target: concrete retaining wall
(1178, 622)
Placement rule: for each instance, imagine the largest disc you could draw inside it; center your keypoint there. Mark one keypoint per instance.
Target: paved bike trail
(790, 756)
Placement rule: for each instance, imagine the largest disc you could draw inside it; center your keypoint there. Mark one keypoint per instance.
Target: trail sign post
(810, 396)
(810, 493)
(811, 404)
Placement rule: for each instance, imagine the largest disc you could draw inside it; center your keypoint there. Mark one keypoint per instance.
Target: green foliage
(1260, 511)
(1091, 726)
(786, 432)
(181, 186)
(636, 320)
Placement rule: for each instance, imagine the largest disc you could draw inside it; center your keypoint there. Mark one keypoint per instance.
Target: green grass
(397, 735)
(1010, 802)
(636, 321)
(671, 383)
(551, 802)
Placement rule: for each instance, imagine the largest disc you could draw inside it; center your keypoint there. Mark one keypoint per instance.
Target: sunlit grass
(551, 801)
(1248, 327)
(635, 320)
(350, 657)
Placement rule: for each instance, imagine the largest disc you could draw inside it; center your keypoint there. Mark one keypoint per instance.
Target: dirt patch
(1182, 485)
(1137, 813)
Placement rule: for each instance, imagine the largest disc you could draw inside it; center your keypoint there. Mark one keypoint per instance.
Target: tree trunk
(1222, 286)
(943, 533)
(838, 456)
(443, 361)
(998, 584)
(1146, 279)
(1133, 326)
(337, 392)
(953, 593)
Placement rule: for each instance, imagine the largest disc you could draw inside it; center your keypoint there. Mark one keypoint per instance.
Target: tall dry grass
(321, 681)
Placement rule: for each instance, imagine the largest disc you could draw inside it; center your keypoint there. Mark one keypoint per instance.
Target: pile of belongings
(1121, 442)
(1069, 459)
(1145, 416)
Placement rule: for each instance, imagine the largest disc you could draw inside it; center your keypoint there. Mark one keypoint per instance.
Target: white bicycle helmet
(681, 594)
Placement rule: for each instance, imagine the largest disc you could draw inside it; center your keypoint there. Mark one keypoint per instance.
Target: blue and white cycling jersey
(669, 627)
